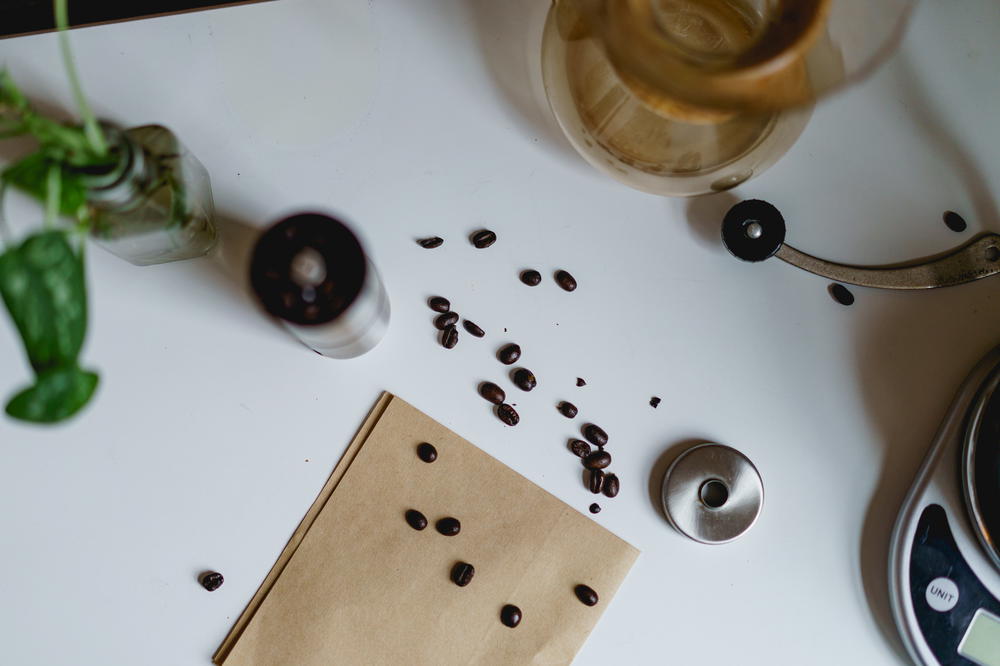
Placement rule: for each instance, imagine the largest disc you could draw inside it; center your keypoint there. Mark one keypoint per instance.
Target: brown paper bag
(357, 585)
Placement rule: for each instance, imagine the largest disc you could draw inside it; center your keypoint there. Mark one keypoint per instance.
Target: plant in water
(42, 277)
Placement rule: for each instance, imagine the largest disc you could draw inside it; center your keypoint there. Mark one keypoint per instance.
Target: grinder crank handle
(754, 230)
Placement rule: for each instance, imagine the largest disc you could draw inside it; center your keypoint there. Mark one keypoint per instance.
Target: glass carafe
(688, 97)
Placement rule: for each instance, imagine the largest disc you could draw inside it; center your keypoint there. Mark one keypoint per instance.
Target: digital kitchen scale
(944, 564)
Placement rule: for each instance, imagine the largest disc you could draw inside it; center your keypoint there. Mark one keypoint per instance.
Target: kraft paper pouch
(357, 585)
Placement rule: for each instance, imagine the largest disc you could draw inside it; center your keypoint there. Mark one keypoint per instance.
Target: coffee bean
(586, 595)
(579, 448)
(565, 280)
(567, 409)
(431, 242)
(596, 481)
(415, 519)
(595, 508)
(510, 615)
(955, 221)
(611, 485)
(492, 392)
(595, 434)
(473, 329)
(449, 337)
(211, 580)
(508, 414)
(841, 294)
(580, 382)
(524, 379)
(445, 320)
(508, 354)
(654, 402)
(448, 526)
(483, 238)
(439, 304)
(462, 573)
(597, 460)
(531, 277)
(427, 452)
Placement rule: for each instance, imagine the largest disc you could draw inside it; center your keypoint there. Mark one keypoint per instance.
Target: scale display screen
(981, 642)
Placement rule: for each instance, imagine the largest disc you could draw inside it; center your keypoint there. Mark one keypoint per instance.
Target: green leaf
(12, 106)
(31, 175)
(42, 284)
(10, 96)
(63, 143)
(57, 394)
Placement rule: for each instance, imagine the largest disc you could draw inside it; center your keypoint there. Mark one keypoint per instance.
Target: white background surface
(213, 430)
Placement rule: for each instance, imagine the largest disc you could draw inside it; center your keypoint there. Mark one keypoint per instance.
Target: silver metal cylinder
(310, 271)
(712, 493)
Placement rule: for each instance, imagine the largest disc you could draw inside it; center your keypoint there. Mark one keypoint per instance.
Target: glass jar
(154, 204)
(688, 97)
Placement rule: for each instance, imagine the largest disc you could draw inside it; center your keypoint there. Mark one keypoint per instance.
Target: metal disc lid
(712, 493)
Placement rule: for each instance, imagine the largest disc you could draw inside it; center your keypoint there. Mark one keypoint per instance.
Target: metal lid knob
(753, 230)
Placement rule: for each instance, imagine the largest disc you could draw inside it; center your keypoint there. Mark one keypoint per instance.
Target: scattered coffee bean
(508, 354)
(580, 382)
(508, 414)
(427, 452)
(595, 508)
(586, 595)
(445, 320)
(211, 580)
(439, 304)
(483, 238)
(524, 379)
(595, 434)
(431, 242)
(565, 280)
(841, 294)
(473, 329)
(654, 402)
(597, 460)
(611, 485)
(449, 337)
(448, 526)
(510, 615)
(415, 519)
(531, 277)
(579, 448)
(492, 392)
(567, 409)
(955, 221)
(462, 573)
(596, 481)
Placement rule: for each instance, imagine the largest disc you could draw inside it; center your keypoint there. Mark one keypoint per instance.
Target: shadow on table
(509, 34)
(660, 466)
(924, 113)
(227, 267)
(910, 361)
(705, 214)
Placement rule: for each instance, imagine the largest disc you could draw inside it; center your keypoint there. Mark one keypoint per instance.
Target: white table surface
(213, 429)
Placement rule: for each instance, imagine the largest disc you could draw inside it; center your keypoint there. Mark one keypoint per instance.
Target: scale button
(942, 594)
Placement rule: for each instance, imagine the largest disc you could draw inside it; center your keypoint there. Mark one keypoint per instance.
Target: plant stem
(5, 234)
(53, 193)
(90, 126)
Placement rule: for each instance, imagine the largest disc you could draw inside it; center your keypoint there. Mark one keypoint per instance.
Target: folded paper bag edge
(367, 426)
